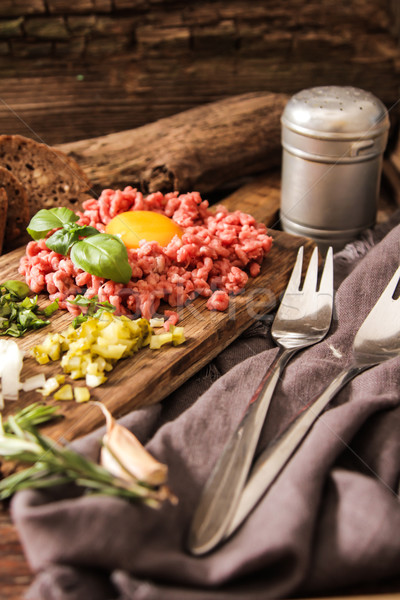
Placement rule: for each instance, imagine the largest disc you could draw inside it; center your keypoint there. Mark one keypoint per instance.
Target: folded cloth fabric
(330, 521)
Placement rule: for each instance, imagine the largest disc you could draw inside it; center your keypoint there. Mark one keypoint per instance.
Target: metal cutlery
(303, 319)
(377, 340)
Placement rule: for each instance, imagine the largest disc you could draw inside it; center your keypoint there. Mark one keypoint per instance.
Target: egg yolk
(136, 225)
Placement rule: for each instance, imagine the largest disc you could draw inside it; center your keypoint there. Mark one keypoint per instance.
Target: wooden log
(200, 149)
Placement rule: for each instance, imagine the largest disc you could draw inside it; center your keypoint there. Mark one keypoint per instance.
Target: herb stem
(52, 464)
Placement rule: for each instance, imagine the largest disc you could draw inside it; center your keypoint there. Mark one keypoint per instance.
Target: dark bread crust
(18, 213)
(3, 215)
(49, 177)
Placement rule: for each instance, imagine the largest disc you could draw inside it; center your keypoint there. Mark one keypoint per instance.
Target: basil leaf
(104, 256)
(45, 220)
(16, 315)
(87, 230)
(80, 300)
(62, 240)
(27, 317)
(51, 308)
(13, 331)
(29, 302)
(78, 320)
(5, 310)
(92, 308)
(18, 288)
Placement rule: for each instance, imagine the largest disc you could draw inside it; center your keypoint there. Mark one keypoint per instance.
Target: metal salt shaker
(333, 141)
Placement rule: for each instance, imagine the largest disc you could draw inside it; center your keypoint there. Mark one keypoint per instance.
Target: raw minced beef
(209, 260)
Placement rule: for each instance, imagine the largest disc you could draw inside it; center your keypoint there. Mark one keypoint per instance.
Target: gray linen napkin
(330, 521)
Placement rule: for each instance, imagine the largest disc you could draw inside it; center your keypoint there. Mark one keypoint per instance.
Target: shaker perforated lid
(334, 112)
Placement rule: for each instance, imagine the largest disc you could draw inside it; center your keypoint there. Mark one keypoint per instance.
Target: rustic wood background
(75, 69)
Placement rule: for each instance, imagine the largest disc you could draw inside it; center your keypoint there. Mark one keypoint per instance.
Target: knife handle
(274, 458)
(223, 489)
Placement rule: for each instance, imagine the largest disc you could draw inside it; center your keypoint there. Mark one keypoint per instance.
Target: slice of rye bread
(3, 215)
(18, 213)
(49, 177)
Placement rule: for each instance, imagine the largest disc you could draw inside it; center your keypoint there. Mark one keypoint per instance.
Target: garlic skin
(125, 457)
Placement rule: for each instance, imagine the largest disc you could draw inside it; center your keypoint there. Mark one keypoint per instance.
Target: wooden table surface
(15, 574)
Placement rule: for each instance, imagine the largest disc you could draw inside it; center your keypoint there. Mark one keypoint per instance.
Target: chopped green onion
(20, 312)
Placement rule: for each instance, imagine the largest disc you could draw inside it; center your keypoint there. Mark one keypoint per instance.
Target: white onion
(33, 383)
(11, 358)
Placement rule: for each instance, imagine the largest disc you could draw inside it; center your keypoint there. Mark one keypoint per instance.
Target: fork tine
(326, 284)
(385, 308)
(384, 316)
(295, 278)
(385, 300)
(310, 282)
(392, 285)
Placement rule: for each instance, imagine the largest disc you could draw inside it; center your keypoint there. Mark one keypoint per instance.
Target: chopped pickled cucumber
(95, 380)
(93, 348)
(178, 335)
(64, 393)
(156, 322)
(52, 384)
(109, 351)
(159, 340)
(81, 394)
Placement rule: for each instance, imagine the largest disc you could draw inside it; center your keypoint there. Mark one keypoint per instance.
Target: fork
(377, 340)
(303, 319)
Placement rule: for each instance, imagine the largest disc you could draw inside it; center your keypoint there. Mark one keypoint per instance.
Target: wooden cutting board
(151, 375)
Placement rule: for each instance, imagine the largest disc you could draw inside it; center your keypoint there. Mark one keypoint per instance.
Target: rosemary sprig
(55, 464)
(31, 416)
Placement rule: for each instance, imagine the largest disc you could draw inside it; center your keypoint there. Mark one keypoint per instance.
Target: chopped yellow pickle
(92, 349)
(64, 393)
(81, 394)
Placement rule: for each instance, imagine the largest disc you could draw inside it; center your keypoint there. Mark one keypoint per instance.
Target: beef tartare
(213, 258)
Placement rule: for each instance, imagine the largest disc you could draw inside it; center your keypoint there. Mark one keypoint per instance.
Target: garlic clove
(124, 456)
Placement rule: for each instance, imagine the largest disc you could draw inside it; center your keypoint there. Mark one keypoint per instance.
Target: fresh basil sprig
(99, 254)
(103, 255)
(45, 220)
(63, 239)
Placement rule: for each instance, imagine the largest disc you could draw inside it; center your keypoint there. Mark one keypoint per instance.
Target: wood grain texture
(199, 149)
(73, 70)
(261, 198)
(15, 574)
(151, 375)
